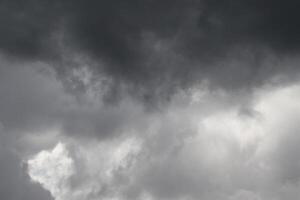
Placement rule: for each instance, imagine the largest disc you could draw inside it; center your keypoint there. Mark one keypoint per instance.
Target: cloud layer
(149, 100)
(155, 48)
(189, 153)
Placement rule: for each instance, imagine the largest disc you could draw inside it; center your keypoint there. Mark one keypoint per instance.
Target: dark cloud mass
(114, 28)
(271, 23)
(156, 47)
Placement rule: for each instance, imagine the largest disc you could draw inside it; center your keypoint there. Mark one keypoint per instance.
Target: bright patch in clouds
(52, 169)
(237, 153)
(86, 172)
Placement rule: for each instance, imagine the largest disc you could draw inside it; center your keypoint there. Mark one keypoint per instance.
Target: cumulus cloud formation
(149, 100)
(82, 176)
(52, 170)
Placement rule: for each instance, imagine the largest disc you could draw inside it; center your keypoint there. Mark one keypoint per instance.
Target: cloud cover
(149, 99)
(156, 47)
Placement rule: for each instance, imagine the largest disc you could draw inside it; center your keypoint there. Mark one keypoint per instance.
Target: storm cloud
(156, 48)
(149, 100)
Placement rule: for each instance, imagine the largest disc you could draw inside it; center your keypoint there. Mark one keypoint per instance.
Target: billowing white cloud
(52, 169)
(88, 172)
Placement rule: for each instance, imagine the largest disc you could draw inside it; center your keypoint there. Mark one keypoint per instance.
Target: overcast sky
(149, 100)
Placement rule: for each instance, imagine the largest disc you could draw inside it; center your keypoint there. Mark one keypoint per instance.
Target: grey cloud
(26, 27)
(32, 100)
(156, 48)
(34, 110)
(179, 158)
(66, 63)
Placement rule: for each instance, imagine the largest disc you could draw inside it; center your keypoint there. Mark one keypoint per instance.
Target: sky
(149, 100)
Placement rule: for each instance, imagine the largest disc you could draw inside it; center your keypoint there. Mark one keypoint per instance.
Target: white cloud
(88, 171)
(52, 169)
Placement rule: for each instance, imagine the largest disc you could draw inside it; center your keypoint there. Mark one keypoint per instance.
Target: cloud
(231, 45)
(151, 100)
(189, 154)
(269, 23)
(52, 170)
(93, 172)
(203, 144)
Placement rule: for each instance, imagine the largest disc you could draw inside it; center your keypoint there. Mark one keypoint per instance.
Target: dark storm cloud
(218, 146)
(26, 27)
(113, 29)
(271, 23)
(157, 47)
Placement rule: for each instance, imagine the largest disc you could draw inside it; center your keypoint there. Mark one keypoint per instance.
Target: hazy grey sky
(149, 100)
